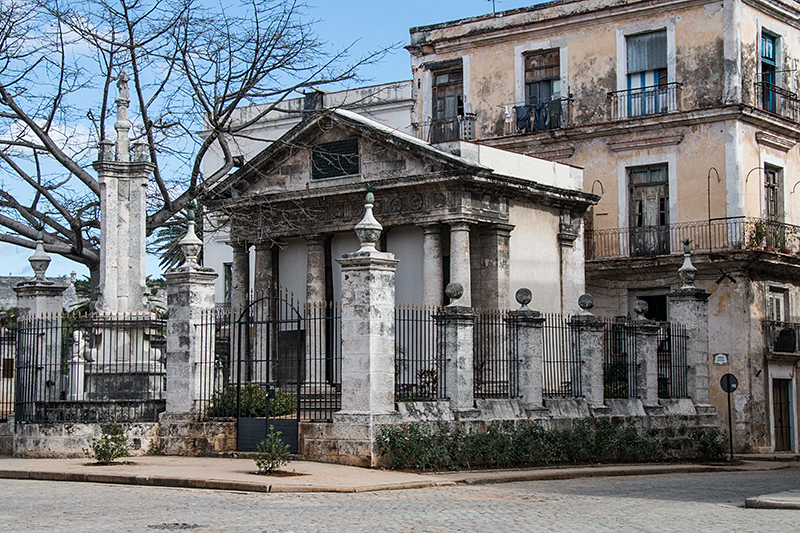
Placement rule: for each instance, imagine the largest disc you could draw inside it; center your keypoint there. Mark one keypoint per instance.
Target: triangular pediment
(337, 149)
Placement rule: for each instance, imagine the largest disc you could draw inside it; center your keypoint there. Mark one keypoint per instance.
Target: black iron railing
(92, 368)
(561, 361)
(721, 234)
(781, 337)
(495, 373)
(8, 355)
(776, 100)
(645, 101)
(419, 365)
(672, 361)
(541, 116)
(620, 360)
(460, 128)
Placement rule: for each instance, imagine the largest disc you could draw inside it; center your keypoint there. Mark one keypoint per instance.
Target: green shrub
(113, 444)
(506, 445)
(254, 402)
(272, 453)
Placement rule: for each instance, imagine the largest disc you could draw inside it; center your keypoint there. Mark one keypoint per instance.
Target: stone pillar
(263, 279)
(315, 305)
(123, 194)
(432, 271)
(190, 300)
(646, 342)
(495, 266)
(39, 305)
(368, 323)
(458, 322)
(590, 337)
(240, 276)
(689, 306)
(526, 342)
(460, 268)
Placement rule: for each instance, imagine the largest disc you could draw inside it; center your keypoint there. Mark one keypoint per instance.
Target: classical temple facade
(685, 116)
(490, 219)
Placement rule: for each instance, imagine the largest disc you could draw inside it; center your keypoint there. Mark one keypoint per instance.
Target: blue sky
(371, 25)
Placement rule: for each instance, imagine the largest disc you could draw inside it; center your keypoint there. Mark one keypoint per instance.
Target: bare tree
(191, 65)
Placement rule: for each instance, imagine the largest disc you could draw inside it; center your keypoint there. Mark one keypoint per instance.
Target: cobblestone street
(679, 502)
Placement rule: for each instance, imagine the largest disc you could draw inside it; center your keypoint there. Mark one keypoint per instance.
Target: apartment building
(685, 117)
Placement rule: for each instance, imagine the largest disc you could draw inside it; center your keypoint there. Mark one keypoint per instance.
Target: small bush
(253, 401)
(272, 453)
(113, 444)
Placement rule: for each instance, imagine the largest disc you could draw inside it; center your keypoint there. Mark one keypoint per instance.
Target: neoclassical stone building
(490, 219)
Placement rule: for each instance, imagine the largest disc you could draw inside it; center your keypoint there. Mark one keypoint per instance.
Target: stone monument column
(689, 306)
(460, 266)
(590, 338)
(315, 307)
(263, 279)
(39, 304)
(190, 299)
(526, 343)
(495, 271)
(432, 267)
(240, 277)
(123, 194)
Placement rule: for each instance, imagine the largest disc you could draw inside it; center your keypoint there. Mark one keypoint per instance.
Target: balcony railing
(461, 128)
(781, 337)
(776, 100)
(721, 234)
(531, 118)
(645, 101)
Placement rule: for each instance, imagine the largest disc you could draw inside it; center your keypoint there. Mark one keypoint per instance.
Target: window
(768, 80)
(649, 210)
(542, 77)
(334, 159)
(776, 304)
(228, 280)
(648, 90)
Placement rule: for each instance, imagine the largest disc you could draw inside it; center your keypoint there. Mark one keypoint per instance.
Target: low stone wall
(59, 439)
(186, 435)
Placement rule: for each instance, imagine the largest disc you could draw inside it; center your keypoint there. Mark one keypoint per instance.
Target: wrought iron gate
(268, 348)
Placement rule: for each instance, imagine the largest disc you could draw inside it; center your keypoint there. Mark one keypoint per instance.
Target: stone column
(432, 271)
(263, 279)
(39, 305)
(590, 337)
(526, 343)
(460, 268)
(646, 342)
(315, 270)
(495, 266)
(314, 370)
(458, 322)
(368, 323)
(689, 306)
(240, 276)
(190, 300)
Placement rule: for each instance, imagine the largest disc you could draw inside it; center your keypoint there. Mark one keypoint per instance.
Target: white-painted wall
(405, 242)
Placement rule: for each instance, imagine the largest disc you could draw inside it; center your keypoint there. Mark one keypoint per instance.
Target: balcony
(780, 337)
(772, 98)
(645, 101)
(532, 118)
(461, 128)
(715, 235)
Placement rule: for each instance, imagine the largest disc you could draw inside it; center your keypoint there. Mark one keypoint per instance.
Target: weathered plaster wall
(534, 257)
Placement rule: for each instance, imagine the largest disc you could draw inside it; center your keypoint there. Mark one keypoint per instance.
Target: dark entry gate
(269, 348)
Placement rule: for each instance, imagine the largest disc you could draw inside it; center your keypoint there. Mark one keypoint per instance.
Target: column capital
(459, 225)
(431, 229)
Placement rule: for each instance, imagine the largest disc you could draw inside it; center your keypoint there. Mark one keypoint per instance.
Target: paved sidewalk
(305, 476)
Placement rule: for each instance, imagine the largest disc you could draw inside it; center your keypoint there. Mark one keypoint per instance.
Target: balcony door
(648, 92)
(649, 211)
(448, 104)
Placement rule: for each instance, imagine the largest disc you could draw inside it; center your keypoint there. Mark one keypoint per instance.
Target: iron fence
(90, 368)
(561, 362)
(620, 360)
(780, 336)
(8, 352)
(645, 101)
(270, 352)
(721, 234)
(418, 362)
(540, 116)
(774, 99)
(460, 128)
(672, 361)
(495, 372)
